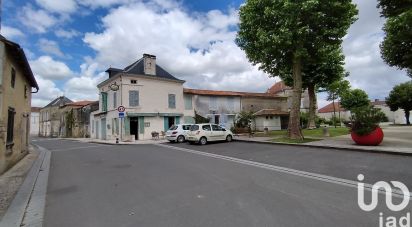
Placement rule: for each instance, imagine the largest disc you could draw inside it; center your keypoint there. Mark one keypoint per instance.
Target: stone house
(75, 118)
(16, 83)
(152, 98)
(50, 117)
(281, 89)
(221, 107)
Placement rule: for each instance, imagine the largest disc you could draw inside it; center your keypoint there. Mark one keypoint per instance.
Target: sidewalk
(397, 140)
(113, 142)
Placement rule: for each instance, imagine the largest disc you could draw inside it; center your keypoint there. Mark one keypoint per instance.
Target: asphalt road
(151, 185)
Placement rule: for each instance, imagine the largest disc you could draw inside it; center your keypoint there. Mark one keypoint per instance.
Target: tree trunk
(312, 106)
(407, 117)
(294, 131)
(334, 111)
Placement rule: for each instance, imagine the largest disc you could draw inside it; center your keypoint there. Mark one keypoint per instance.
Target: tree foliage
(401, 98)
(283, 36)
(366, 119)
(354, 99)
(396, 48)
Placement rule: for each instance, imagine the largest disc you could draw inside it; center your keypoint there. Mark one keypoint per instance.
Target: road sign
(121, 114)
(121, 109)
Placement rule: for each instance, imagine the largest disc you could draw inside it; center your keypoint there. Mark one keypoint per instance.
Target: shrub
(366, 119)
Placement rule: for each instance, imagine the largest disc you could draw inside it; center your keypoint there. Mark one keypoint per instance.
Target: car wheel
(229, 138)
(203, 141)
(180, 139)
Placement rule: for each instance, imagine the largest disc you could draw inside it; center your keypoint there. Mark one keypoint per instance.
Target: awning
(131, 114)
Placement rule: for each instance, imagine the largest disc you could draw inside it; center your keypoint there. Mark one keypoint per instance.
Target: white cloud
(50, 47)
(102, 3)
(58, 6)
(48, 91)
(38, 20)
(10, 32)
(48, 68)
(83, 87)
(67, 34)
(198, 48)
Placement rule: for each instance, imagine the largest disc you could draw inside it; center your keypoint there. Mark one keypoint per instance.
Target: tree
(335, 91)
(280, 35)
(401, 98)
(396, 48)
(355, 99)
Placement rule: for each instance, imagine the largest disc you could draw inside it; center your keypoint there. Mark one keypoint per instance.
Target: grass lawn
(313, 133)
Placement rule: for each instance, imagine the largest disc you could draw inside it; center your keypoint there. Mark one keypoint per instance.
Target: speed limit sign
(121, 109)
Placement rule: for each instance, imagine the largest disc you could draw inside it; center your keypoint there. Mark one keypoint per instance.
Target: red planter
(372, 139)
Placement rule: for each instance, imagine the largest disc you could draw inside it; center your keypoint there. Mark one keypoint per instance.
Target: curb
(27, 207)
(111, 144)
(328, 147)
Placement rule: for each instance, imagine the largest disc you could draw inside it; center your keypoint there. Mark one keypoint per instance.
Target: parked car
(204, 133)
(177, 133)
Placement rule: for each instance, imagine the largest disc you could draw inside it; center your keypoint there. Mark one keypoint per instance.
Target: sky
(70, 43)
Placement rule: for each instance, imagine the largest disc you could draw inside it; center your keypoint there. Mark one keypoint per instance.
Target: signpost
(121, 110)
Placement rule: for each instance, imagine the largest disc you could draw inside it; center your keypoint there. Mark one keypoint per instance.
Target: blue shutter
(127, 126)
(104, 101)
(172, 101)
(141, 125)
(166, 123)
(177, 120)
(133, 98)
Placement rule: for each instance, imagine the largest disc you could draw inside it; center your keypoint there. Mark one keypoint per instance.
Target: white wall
(34, 123)
(272, 123)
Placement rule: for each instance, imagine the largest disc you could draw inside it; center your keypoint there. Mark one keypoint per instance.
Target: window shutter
(127, 126)
(141, 125)
(177, 120)
(172, 101)
(133, 98)
(104, 101)
(114, 100)
(166, 123)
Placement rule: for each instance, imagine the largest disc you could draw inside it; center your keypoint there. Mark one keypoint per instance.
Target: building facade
(75, 118)
(16, 83)
(35, 121)
(50, 117)
(281, 89)
(152, 98)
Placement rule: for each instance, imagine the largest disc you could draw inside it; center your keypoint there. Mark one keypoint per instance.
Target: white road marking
(320, 177)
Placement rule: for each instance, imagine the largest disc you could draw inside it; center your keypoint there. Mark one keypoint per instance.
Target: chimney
(149, 64)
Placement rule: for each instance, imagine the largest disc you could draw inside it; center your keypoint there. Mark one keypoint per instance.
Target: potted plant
(365, 118)
(365, 128)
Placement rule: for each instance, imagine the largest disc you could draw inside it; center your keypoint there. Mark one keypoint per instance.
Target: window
(194, 128)
(133, 98)
(92, 126)
(104, 101)
(114, 100)
(186, 127)
(172, 101)
(213, 103)
(10, 125)
(206, 128)
(13, 77)
(147, 124)
(215, 128)
(231, 104)
(133, 81)
(188, 102)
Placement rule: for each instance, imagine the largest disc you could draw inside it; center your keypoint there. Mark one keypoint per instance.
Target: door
(134, 127)
(217, 119)
(171, 121)
(284, 121)
(103, 128)
(96, 136)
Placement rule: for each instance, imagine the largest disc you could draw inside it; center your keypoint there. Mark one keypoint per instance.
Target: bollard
(117, 140)
(325, 131)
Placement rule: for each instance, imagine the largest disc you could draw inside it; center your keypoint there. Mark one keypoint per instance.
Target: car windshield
(174, 127)
(194, 128)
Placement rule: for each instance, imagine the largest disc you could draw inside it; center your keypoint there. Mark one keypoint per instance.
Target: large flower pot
(372, 139)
